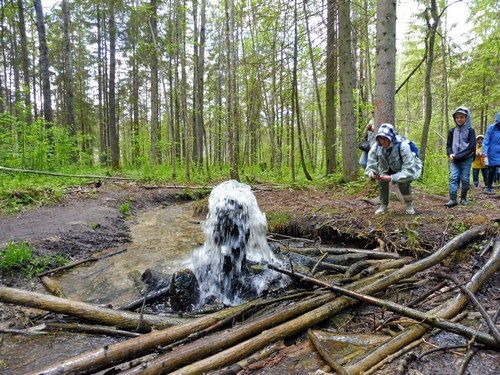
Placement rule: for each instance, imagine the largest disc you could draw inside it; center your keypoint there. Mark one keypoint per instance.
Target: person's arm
(410, 166)
(372, 170)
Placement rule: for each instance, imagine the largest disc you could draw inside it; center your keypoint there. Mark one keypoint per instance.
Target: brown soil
(88, 220)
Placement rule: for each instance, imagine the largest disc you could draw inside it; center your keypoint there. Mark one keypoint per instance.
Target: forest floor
(88, 219)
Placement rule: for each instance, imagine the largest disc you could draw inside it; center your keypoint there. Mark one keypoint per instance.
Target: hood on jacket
(464, 110)
(386, 131)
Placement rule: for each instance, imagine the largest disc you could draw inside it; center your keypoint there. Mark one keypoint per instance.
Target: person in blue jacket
(491, 151)
(460, 148)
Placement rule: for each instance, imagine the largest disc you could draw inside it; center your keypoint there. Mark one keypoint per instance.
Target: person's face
(479, 141)
(460, 118)
(384, 142)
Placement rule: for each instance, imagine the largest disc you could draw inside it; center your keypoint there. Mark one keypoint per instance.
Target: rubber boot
(463, 198)
(453, 201)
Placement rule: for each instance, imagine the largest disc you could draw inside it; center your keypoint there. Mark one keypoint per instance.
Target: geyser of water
(235, 237)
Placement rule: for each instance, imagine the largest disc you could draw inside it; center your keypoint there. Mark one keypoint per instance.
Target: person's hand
(385, 178)
(452, 156)
(375, 176)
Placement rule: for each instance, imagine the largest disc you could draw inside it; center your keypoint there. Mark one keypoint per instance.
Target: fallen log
(370, 254)
(311, 263)
(491, 324)
(309, 319)
(120, 319)
(446, 311)
(86, 328)
(92, 361)
(410, 347)
(52, 287)
(409, 312)
(213, 344)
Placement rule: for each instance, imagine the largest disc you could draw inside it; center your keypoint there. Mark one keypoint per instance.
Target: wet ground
(90, 222)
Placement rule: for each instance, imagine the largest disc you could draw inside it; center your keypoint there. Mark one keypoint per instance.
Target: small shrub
(15, 256)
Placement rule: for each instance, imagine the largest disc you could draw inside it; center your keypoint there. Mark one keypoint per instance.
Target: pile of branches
(227, 341)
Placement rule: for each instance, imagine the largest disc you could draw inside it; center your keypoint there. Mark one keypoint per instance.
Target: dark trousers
(492, 170)
(475, 176)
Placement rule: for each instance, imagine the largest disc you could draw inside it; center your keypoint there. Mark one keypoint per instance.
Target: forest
(266, 90)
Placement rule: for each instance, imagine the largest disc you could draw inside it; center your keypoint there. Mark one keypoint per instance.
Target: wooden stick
(74, 264)
(447, 310)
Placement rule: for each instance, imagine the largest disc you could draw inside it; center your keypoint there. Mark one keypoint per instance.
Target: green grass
(24, 190)
(19, 257)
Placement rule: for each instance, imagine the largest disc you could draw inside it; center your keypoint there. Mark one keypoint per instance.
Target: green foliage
(277, 222)
(15, 256)
(18, 257)
(125, 208)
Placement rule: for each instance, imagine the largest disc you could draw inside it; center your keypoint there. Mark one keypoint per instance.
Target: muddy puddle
(162, 239)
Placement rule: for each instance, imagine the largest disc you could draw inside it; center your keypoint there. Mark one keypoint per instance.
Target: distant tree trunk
(113, 131)
(25, 63)
(101, 74)
(295, 102)
(155, 104)
(44, 62)
(231, 91)
(385, 70)
(313, 67)
(199, 71)
(68, 76)
(331, 81)
(346, 72)
(432, 25)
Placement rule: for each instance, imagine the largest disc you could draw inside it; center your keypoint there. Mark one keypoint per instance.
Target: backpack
(413, 147)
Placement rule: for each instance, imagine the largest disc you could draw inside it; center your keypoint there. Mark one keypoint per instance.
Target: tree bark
(44, 62)
(120, 319)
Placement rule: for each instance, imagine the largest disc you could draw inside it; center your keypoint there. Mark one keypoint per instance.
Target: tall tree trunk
(113, 130)
(385, 70)
(199, 71)
(68, 75)
(346, 73)
(313, 67)
(25, 63)
(155, 103)
(101, 77)
(432, 25)
(44, 62)
(231, 91)
(295, 104)
(331, 81)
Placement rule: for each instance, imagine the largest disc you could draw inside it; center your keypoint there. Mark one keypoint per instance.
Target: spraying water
(235, 238)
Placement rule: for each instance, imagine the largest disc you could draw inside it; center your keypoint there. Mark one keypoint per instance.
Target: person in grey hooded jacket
(460, 148)
(390, 159)
(491, 150)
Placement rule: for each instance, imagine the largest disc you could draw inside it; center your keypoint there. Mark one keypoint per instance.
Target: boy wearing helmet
(460, 148)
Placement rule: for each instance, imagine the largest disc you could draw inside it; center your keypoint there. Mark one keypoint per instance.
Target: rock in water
(184, 290)
(235, 234)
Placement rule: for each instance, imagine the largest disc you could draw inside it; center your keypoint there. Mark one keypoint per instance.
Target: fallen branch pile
(205, 344)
